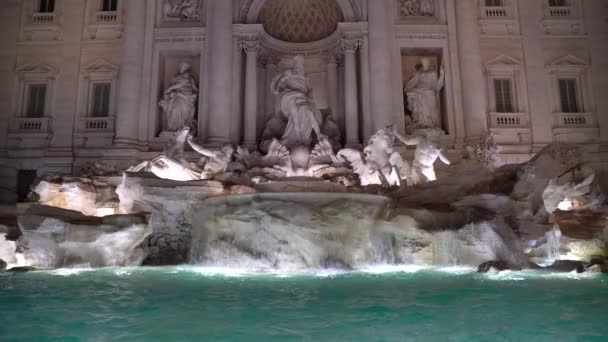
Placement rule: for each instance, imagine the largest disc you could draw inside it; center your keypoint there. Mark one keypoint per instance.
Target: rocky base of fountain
(507, 218)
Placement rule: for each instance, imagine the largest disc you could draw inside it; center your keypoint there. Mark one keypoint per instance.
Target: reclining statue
(173, 165)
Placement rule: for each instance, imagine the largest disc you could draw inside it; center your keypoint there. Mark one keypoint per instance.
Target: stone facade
(81, 80)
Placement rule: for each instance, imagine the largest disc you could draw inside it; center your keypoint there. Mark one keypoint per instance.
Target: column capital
(250, 46)
(348, 44)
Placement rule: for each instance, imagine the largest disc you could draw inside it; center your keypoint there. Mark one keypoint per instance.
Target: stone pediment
(100, 65)
(569, 60)
(503, 60)
(35, 68)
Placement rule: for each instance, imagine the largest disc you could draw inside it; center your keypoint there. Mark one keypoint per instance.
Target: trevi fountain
(300, 232)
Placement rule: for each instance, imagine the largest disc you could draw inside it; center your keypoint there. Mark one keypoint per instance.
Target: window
(494, 3)
(101, 99)
(567, 95)
(503, 91)
(108, 5)
(36, 100)
(46, 6)
(558, 3)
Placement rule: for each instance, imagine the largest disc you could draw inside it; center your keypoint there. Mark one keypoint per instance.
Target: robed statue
(179, 99)
(422, 91)
(297, 104)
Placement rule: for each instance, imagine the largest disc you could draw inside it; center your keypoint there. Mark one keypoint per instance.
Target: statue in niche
(179, 99)
(297, 104)
(379, 163)
(428, 150)
(183, 9)
(416, 8)
(280, 162)
(422, 93)
(172, 164)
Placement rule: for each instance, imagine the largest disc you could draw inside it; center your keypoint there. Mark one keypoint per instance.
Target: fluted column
(381, 38)
(130, 74)
(332, 84)
(251, 92)
(350, 92)
(219, 19)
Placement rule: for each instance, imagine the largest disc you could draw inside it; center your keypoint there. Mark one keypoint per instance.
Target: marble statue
(172, 164)
(422, 91)
(183, 9)
(428, 150)
(416, 8)
(179, 99)
(379, 163)
(300, 161)
(297, 104)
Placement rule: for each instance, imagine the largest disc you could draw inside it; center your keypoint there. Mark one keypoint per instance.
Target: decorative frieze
(182, 10)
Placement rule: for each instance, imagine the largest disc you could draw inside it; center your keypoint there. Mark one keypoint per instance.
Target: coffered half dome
(300, 21)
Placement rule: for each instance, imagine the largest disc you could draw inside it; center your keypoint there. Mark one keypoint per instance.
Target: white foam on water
(70, 271)
(381, 269)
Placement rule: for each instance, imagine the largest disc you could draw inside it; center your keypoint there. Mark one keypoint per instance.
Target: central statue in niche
(297, 104)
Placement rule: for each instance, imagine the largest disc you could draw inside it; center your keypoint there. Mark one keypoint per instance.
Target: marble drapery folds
(179, 99)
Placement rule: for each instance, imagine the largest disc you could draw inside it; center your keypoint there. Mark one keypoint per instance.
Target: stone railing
(491, 12)
(97, 124)
(559, 11)
(30, 125)
(573, 120)
(106, 18)
(43, 18)
(508, 120)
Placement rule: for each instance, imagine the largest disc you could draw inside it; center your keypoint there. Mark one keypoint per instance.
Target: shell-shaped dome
(300, 21)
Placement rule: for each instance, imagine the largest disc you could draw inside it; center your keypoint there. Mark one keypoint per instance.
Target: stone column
(351, 112)
(130, 75)
(219, 19)
(471, 72)
(251, 93)
(332, 84)
(381, 38)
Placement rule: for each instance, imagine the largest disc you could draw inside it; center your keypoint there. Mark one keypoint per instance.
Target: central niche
(300, 21)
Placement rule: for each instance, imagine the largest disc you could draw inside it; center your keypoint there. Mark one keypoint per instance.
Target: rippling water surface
(377, 304)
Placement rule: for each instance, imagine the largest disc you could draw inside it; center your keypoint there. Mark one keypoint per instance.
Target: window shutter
(567, 95)
(503, 95)
(101, 100)
(46, 6)
(36, 100)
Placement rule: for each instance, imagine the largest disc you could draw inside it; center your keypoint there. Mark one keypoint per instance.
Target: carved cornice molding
(179, 35)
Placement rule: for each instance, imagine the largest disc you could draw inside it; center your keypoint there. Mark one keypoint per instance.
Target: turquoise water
(189, 303)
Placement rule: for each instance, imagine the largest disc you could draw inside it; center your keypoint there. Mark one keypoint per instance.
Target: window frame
(569, 67)
(32, 74)
(97, 72)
